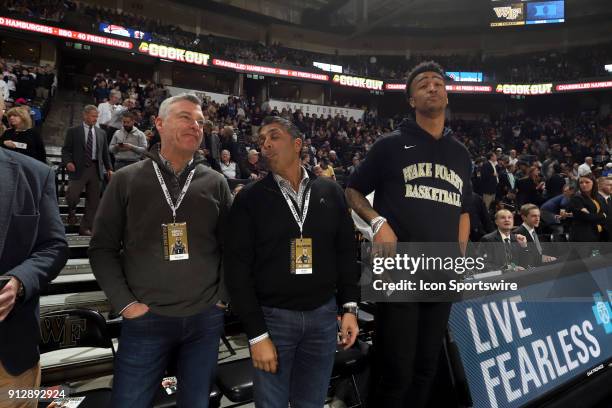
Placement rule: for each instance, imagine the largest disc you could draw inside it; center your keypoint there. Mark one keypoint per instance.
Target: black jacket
(480, 220)
(532, 256)
(35, 147)
(257, 257)
(584, 226)
(527, 193)
(607, 208)
(488, 181)
(495, 254)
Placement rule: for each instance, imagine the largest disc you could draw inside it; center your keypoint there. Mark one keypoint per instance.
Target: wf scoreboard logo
(603, 310)
(509, 12)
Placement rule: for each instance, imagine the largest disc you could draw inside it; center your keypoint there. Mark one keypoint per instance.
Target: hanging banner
(173, 54)
(64, 33)
(216, 97)
(356, 114)
(260, 69)
(358, 82)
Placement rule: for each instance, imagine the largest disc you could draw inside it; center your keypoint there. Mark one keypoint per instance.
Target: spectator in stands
(229, 168)
(2, 117)
(21, 137)
(107, 109)
(228, 142)
(101, 92)
(172, 304)
(530, 214)
(586, 167)
(33, 252)
(588, 216)
(553, 211)
(555, 182)
(4, 88)
(504, 249)
(480, 220)
(604, 186)
(318, 171)
(355, 162)
(128, 143)
(334, 161)
(116, 121)
(327, 170)
(87, 160)
(306, 160)
(211, 145)
(530, 188)
(44, 81)
(272, 292)
(26, 85)
(253, 169)
(489, 179)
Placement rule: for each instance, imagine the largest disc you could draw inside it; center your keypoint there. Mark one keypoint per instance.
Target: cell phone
(4, 280)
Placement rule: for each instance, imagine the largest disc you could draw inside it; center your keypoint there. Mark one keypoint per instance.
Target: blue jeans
(305, 345)
(145, 346)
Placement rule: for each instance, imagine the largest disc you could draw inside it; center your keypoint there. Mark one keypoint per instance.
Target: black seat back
(71, 328)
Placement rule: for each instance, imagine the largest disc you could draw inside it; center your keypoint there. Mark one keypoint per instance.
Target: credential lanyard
(162, 183)
(299, 220)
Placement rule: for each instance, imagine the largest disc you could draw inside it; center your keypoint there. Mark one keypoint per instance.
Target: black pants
(408, 342)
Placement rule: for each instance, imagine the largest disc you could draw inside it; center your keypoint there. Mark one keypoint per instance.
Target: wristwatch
(20, 291)
(351, 308)
(376, 223)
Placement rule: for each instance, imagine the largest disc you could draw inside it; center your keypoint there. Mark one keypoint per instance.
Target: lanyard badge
(174, 235)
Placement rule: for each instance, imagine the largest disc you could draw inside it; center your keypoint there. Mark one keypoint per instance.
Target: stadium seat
(87, 328)
(235, 379)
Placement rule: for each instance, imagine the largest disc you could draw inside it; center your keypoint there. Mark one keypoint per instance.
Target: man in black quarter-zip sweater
(290, 260)
(421, 175)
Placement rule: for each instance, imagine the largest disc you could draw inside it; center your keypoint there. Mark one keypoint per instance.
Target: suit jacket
(532, 256)
(488, 181)
(504, 185)
(527, 192)
(480, 220)
(495, 254)
(607, 209)
(584, 226)
(74, 151)
(33, 249)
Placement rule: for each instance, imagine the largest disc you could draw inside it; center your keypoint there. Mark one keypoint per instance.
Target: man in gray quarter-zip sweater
(170, 303)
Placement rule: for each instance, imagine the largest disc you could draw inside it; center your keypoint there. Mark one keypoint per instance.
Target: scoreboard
(518, 13)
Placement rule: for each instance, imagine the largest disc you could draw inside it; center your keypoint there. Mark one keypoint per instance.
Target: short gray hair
(115, 92)
(165, 105)
(89, 108)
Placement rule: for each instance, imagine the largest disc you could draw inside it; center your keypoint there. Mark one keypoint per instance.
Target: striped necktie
(89, 148)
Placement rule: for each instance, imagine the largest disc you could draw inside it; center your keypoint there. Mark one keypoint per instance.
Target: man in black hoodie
(421, 175)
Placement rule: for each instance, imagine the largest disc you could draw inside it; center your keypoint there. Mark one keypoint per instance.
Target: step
(62, 202)
(78, 241)
(92, 300)
(78, 266)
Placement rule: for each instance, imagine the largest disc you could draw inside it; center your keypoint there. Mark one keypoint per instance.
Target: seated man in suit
(503, 249)
(530, 213)
(33, 250)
